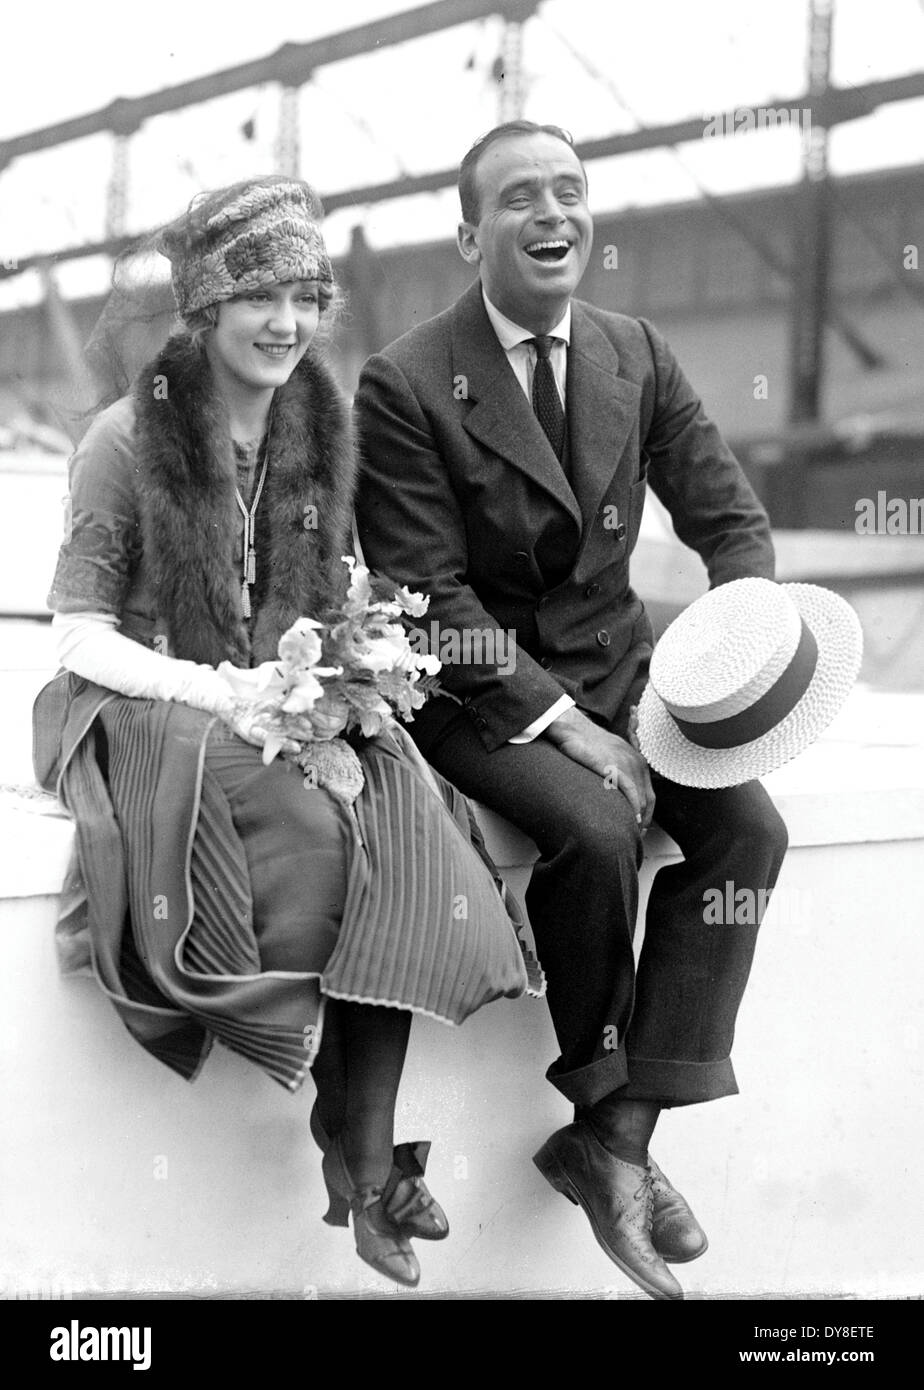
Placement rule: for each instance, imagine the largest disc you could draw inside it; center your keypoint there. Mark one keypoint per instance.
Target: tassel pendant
(248, 549)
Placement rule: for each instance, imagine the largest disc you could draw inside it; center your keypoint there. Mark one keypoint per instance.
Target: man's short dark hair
(468, 169)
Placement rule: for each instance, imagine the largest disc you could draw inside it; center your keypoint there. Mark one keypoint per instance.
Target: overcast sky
(595, 66)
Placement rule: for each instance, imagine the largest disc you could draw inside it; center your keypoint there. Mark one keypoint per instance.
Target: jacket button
(542, 603)
(620, 531)
(603, 637)
(591, 590)
(481, 722)
(521, 557)
(545, 662)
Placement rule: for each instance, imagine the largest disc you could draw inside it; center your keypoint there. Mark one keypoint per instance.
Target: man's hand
(609, 755)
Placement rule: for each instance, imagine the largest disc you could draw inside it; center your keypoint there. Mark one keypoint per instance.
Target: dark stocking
(329, 1069)
(625, 1127)
(375, 1046)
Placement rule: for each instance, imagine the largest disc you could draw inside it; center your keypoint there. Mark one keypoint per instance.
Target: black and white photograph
(462, 645)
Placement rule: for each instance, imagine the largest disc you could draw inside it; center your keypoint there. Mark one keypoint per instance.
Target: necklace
(249, 560)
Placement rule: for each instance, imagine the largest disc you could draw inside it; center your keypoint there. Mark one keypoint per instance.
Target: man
(507, 445)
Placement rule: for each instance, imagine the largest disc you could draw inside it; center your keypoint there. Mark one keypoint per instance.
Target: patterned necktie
(546, 400)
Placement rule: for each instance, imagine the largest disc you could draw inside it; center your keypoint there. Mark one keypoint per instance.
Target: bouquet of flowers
(349, 674)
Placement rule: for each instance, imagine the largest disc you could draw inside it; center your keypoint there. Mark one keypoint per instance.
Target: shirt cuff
(539, 725)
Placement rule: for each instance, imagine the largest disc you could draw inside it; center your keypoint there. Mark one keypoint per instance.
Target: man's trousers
(662, 1032)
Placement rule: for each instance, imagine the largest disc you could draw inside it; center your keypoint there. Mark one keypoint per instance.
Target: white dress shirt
(521, 354)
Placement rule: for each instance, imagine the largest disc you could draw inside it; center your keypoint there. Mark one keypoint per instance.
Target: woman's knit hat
(243, 238)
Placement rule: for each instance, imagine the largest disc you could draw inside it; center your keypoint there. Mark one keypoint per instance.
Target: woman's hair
(199, 324)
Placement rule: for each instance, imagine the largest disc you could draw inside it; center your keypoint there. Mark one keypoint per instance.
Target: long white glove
(90, 645)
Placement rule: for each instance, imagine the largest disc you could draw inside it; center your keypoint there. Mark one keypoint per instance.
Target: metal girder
(509, 72)
(836, 106)
(292, 64)
(288, 143)
(812, 258)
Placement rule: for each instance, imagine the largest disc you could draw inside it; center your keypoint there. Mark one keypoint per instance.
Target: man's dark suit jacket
(462, 497)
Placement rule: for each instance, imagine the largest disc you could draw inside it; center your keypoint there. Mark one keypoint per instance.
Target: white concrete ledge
(863, 782)
(116, 1176)
(37, 835)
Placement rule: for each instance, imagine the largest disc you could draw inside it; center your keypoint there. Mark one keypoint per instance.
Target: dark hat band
(773, 706)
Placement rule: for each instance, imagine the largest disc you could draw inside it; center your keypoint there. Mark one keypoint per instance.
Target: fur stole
(190, 518)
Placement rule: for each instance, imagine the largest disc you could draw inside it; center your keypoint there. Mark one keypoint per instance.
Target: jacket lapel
(500, 416)
(602, 409)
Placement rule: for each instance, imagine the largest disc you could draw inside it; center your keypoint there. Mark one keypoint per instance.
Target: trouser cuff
(588, 1084)
(678, 1083)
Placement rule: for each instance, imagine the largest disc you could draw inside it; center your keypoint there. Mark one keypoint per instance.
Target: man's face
(533, 237)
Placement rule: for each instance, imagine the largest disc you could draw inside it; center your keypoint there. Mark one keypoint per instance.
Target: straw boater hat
(745, 679)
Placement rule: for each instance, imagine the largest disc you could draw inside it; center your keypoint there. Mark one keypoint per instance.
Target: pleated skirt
(294, 899)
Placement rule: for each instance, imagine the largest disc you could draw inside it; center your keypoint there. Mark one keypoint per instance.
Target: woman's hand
(252, 723)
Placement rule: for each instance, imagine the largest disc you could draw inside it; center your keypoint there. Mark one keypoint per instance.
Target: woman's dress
(227, 900)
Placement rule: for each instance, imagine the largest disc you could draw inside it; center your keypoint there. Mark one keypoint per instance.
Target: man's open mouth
(548, 251)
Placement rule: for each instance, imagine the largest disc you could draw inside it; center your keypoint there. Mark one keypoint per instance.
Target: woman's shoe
(377, 1241)
(407, 1201)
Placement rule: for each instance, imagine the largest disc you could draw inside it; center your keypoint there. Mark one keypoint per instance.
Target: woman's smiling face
(260, 337)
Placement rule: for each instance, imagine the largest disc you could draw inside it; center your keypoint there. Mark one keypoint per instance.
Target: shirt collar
(510, 334)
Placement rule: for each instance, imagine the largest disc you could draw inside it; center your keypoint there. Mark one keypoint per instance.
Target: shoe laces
(645, 1192)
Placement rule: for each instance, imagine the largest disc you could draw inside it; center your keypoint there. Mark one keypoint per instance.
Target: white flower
(253, 682)
(386, 652)
(371, 721)
(272, 747)
(307, 689)
(300, 646)
(359, 594)
(415, 605)
(430, 665)
(406, 659)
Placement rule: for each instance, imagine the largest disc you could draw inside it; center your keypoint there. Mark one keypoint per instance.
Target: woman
(208, 510)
